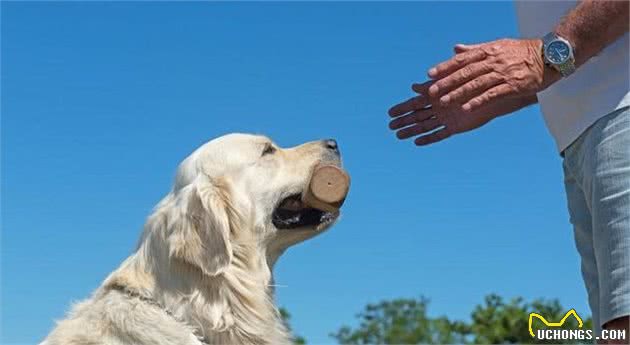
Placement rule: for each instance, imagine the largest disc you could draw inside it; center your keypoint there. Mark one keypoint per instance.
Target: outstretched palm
(424, 117)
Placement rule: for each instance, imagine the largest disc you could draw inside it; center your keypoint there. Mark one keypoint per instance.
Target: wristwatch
(558, 53)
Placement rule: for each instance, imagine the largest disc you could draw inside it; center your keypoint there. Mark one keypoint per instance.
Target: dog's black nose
(331, 144)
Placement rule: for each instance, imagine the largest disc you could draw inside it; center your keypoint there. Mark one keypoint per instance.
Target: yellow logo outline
(554, 324)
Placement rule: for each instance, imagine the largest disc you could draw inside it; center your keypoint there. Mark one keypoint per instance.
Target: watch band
(548, 38)
(566, 68)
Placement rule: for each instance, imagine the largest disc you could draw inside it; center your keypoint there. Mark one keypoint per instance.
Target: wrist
(558, 57)
(568, 36)
(550, 76)
(529, 100)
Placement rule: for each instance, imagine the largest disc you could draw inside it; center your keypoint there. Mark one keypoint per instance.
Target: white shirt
(597, 88)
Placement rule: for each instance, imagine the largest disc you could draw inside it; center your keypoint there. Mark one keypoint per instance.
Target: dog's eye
(269, 149)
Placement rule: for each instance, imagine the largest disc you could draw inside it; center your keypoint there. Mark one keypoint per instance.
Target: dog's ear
(199, 227)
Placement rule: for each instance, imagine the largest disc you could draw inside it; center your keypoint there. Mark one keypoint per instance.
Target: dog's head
(244, 188)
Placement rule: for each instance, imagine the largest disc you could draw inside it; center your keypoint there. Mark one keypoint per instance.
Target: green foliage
(405, 321)
(401, 321)
(498, 322)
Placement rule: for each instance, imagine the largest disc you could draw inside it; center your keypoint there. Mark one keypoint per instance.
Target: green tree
(401, 321)
(498, 322)
(405, 321)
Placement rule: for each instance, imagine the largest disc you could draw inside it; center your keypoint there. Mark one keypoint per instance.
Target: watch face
(558, 52)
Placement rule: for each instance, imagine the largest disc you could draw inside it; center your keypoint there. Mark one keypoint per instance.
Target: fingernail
(433, 90)
(445, 99)
(466, 107)
(432, 72)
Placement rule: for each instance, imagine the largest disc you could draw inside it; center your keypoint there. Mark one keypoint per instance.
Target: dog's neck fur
(233, 307)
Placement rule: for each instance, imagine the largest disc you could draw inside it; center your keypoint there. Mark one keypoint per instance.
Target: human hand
(484, 73)
(418, 117)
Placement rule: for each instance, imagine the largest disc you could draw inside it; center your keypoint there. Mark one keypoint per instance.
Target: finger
(419, 128)
(460, 47)
(411, 118)
(423, 88)
(463, 75)
(494, 93)
(411, 104)
(472, 88)
(456, 62)
(434, 137)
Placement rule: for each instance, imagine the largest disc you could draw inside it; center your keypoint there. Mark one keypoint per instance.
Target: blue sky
(101, 101)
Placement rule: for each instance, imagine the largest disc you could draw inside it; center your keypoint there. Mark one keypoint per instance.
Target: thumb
(423, 88)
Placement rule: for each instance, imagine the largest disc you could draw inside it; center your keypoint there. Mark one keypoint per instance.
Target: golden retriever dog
(202, 270)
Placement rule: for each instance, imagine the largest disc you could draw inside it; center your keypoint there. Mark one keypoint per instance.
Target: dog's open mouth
(292, 213)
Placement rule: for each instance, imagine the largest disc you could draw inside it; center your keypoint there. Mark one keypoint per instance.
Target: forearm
(529, 100)
(592, 25)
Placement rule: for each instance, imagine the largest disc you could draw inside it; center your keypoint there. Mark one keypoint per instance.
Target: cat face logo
(554, 324)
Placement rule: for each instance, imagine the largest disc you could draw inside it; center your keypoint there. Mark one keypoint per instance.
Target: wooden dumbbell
(327, 188)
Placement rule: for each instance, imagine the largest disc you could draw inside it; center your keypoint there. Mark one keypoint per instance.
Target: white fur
(206, 253)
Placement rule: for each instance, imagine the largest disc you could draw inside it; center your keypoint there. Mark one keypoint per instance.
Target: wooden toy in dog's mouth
(327, 189)
(319, 203)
